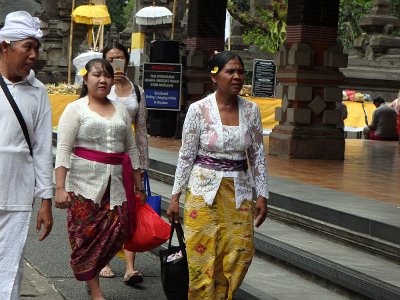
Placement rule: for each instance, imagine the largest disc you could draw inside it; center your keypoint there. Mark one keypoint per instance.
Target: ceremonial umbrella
(91, 15)
(81, 60)
(153, 15)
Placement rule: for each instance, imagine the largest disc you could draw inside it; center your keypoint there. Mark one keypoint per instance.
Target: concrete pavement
(50, 257)
(35, 285)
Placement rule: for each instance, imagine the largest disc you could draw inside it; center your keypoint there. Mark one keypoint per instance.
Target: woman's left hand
(260, 211)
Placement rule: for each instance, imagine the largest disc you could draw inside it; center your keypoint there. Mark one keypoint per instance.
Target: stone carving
(374, 61)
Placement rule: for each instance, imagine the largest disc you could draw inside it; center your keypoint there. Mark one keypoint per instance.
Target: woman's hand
(173, 208)
(62, 198)
(260, 211)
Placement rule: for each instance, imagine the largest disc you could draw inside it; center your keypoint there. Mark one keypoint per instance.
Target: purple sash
(221, 164)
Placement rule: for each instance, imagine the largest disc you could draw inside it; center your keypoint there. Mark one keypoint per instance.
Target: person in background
(132, 96)
(395, 104)
(95, 155)
(220, 133)
(23, 175)
(343, 114)
(383, 125)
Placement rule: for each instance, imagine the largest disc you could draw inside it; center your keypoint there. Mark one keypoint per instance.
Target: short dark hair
(220, 59)
(379, 100)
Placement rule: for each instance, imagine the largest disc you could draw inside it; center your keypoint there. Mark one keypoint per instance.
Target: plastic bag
(153, 201)
(150, 232)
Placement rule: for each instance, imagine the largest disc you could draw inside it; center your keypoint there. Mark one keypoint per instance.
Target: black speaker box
(164, 52)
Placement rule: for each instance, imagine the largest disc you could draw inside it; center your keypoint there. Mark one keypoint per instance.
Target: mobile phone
(118, 65)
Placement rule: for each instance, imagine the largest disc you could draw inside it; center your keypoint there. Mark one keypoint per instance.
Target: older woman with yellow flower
(222, 133)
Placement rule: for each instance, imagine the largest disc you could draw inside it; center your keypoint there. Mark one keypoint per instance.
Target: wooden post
(173, 19)
(70, 43)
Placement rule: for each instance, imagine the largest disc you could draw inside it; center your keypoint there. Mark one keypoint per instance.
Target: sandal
(133, 278)
(104, 273)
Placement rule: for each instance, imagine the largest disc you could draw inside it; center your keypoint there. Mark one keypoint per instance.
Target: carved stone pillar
(374, 61)
(309, 80)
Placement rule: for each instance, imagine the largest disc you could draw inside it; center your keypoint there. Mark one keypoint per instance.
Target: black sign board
(162, 85)
(264, 79)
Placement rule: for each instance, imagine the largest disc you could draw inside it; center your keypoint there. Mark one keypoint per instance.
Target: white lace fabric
(137, 112)
(204, 134)
(79, 126)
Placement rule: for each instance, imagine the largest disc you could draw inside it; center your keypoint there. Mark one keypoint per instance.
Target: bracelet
(60, 187)
(139, 189)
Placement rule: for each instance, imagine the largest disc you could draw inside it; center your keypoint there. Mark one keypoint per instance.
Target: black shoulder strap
(137, 92)
(16, 111)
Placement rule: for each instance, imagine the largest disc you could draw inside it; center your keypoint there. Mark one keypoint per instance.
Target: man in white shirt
(24, 174)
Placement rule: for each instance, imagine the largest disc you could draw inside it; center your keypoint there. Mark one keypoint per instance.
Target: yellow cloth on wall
(58, 104)
(355, 113)
(355, 117)
(267, 110)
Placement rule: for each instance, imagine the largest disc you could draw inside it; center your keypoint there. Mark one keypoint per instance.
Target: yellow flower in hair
(82, 72)
(215, 70)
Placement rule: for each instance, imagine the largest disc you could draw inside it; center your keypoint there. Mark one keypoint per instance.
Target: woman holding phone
(132, 96)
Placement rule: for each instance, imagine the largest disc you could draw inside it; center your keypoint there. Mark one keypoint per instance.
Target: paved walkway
(370, 170)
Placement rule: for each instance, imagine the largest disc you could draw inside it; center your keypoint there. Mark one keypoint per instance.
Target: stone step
(363, 222)
(289, 254)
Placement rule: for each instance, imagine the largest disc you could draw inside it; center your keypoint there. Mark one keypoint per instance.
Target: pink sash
(119, 158)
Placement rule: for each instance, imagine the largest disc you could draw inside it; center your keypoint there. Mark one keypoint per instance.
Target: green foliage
(242, 5)
(267, 28)
(395, 8)
(350, 11)
(116, 10)
(129, 9)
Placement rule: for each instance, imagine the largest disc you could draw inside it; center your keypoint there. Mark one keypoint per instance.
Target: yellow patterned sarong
(219, 243)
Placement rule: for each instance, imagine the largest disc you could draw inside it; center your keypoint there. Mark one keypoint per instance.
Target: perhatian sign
(162, 85)
(264, 80)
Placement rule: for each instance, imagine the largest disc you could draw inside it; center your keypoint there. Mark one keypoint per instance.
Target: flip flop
(133, 278)
(107, 274)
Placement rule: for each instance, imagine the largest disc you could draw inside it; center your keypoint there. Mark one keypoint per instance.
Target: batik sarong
(96, 234)
(219, 243)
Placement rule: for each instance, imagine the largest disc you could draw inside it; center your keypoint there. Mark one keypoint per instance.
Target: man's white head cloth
(20, 25)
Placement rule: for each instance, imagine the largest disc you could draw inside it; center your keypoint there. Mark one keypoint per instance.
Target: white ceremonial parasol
(153, 15)
(81, 60)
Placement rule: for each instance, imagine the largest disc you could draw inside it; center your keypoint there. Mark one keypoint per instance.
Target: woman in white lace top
(222, 133)
(132, 96)
(97, 164)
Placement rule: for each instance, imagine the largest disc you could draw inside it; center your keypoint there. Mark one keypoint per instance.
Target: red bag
(151, 230)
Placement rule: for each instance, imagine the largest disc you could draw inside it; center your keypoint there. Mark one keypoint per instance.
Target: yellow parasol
(90, 14)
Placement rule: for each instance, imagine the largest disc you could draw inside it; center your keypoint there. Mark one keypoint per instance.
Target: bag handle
(17, 112)
(146, 183)
(177, 226)
(137, 92)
